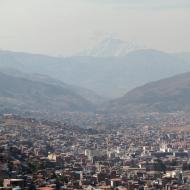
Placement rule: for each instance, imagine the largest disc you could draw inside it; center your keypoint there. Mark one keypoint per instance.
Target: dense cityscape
(39, 154)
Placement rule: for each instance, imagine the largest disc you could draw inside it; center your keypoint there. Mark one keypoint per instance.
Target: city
(52, 155)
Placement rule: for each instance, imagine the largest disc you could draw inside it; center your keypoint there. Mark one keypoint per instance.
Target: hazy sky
(63, 27)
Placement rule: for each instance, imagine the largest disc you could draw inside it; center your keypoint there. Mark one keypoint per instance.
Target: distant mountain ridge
(109, 77)
(166, 95)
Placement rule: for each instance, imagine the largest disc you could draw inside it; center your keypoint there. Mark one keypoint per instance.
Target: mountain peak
(111, 47)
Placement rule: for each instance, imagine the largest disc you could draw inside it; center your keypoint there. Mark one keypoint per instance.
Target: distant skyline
(66, 27)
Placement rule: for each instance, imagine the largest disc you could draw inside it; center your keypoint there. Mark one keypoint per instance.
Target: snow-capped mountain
(110, 47)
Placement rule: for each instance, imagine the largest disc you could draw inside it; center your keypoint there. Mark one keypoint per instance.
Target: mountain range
(115, 76)
(108, 77)
(39, 93)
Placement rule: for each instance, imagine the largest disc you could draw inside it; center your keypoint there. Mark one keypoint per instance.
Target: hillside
(23, 94)
(87, 94)
(167, 95)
